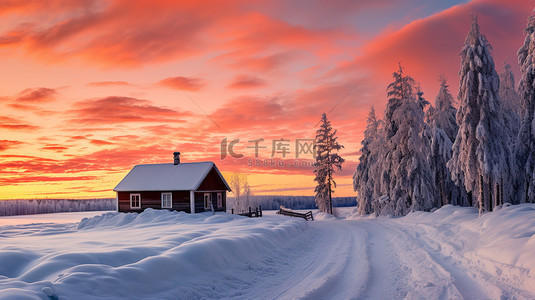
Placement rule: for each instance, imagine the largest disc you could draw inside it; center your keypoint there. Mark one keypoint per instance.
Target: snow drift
(154, 254)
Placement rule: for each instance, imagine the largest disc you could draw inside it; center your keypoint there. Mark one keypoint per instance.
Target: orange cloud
(14, 180)
(15, 124)
(100, 142)
(55, 148)
(8, 144)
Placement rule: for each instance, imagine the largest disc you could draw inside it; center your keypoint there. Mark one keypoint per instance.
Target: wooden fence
(288, 212)
(256, 213)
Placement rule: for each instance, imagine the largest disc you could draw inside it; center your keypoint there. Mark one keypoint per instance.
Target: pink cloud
(247, 82)
(182, 83)
(10, 123)
(113, 110)
(431, 46)
(37, 95)
(108, 83)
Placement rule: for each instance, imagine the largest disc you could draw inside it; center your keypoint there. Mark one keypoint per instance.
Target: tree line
(421, 156)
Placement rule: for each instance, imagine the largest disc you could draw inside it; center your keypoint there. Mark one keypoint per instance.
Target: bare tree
(241, 191)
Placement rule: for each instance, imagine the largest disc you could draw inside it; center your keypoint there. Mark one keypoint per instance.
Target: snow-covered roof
(167, 177)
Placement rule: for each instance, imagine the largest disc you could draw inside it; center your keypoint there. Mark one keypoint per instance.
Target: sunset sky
(88, 89)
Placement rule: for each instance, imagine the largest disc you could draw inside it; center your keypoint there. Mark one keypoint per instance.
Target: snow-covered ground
(447, 254)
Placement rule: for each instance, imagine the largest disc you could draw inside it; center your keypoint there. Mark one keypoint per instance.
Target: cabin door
(207, 200)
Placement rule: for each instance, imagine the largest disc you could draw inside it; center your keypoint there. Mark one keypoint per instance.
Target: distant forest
(272, 202)
(46, 206)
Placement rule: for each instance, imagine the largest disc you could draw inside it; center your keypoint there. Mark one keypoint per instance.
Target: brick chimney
(176, 156)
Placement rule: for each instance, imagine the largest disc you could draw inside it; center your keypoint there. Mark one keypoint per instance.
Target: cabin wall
(153, 200)
(199, 201)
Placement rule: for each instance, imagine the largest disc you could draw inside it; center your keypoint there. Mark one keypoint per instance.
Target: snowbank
(502, 242)
(152, 255)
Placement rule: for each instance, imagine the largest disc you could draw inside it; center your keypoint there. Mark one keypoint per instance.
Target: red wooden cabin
(190, 187)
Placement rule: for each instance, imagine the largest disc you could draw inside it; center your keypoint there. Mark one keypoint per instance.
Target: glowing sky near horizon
(88, 89)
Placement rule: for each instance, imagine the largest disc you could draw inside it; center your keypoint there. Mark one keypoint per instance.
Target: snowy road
(386, 259)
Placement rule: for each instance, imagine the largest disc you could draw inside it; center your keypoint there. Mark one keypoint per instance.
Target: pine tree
(364, 178)
(443, 113)
(525, 142)
(481, 156)
(326, 162)
(406, 179)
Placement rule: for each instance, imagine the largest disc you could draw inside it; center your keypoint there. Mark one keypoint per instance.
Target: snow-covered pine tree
(510, 99)
(398, 91)
(326, 162)
(444, 112)
(481, 157)
(406, 180)
(525, 142)
(364, 178)
(441, 119)
(508, 94)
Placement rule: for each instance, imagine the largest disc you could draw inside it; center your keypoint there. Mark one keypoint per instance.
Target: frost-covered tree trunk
(364, 178)
(406, 181)
(481, 154)
(326, 162)
(525, 142)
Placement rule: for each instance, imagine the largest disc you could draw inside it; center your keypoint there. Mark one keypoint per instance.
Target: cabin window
(167, 200)
(135, 201)
(207, 200)
(219, 200)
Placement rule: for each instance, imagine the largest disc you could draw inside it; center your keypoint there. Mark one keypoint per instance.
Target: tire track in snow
(350, 276)
(455, 284)
(387, 277)
(466, 268)
(327, 269)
